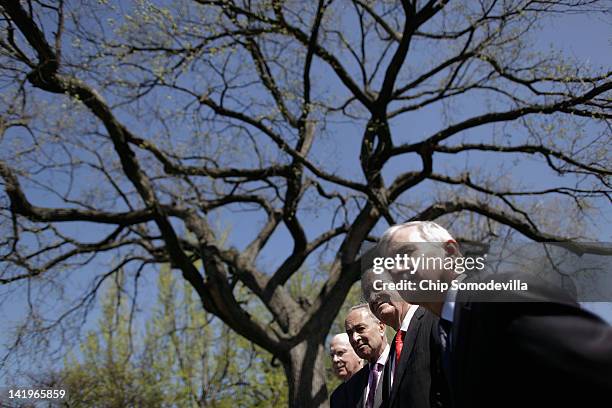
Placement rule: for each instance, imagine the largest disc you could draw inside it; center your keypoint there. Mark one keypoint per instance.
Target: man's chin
(386, 315)
(364, 356)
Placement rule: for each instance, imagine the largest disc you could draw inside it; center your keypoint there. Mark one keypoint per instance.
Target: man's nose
(335, 358)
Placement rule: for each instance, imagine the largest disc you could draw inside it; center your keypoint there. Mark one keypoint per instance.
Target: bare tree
(145, 123)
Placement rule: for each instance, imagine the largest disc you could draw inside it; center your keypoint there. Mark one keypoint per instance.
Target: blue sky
(588, 39)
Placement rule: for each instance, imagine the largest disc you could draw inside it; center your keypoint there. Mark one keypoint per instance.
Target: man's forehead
(358, 316)
(339, 347)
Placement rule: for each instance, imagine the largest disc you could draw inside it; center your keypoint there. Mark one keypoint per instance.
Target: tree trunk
(305, 370)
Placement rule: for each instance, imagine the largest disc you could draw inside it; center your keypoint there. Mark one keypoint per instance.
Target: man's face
(386, 305)
(387, 311)
(345, 362)
(365, 335)
(408, 241)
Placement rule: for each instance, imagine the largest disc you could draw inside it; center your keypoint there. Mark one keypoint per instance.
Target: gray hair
(428, 230)
(366, 307)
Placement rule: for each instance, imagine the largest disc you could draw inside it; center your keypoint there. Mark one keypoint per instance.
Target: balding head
(413, 232)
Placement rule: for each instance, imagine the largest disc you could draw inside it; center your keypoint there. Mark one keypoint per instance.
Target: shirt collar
(383, 357)
(406, 322)
(448, 307)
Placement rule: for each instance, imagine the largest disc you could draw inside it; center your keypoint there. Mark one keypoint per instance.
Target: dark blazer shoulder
(550, 349)
(338, 397)
(350, 393)
(359, 379)
(419, 382)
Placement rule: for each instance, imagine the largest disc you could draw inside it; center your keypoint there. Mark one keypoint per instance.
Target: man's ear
(451, 248)
(382, 327)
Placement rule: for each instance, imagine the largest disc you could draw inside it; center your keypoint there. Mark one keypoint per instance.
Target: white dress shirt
(404, 327)
(448, 307)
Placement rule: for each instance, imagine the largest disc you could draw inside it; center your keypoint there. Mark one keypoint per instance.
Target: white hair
(428, 230)
(343, 336)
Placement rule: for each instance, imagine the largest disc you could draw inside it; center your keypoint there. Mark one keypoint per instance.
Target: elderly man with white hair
(345, 362)
(535, 349)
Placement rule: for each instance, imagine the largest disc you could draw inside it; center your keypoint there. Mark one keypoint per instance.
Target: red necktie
(399, 344)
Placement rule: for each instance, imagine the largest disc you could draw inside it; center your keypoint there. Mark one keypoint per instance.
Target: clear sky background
(587, 38)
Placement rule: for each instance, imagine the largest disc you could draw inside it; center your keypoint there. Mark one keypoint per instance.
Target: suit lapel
(355, 388)
(409, 345)
(363, 384)
(460, 339)
(362, 399)
(388, 370)
(378, 396)
(389, 366)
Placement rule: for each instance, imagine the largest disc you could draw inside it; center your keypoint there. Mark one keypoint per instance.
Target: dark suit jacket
(419, 381)
(350, 393)
(549, 353)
